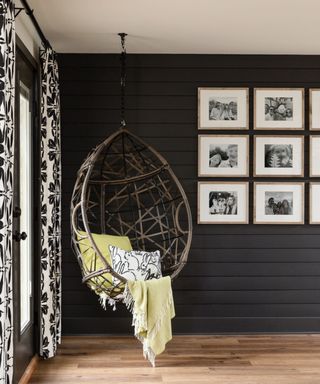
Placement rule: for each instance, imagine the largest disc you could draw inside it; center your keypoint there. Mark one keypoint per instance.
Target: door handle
(19, 236)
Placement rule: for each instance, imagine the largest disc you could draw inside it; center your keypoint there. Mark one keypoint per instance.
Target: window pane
(25, 144)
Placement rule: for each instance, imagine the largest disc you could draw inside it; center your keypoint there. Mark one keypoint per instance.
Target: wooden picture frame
(314, 198)
(223, 116)
(314, 112)
(221, 212)
(279, 192)
(286, 152)
(283, 122)
(314, 156)
(223, 155)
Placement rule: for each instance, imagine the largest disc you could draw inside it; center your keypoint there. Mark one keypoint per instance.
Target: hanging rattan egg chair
(126, 188)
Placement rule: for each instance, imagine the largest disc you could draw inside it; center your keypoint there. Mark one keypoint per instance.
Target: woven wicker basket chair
(124, 187)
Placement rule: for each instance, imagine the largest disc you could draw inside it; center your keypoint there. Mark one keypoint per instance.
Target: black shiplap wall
(240, 278)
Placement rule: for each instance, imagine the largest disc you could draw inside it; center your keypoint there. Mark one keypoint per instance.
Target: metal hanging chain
(123, 78)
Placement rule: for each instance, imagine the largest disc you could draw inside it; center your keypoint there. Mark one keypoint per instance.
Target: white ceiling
(182, 26)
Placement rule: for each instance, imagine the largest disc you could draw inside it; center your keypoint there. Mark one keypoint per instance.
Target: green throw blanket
(152, 307)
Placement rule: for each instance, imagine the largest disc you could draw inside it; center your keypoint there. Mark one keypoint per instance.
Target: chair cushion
(91, 262)
(135, 265)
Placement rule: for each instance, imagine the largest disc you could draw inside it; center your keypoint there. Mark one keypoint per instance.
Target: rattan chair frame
(163, 213)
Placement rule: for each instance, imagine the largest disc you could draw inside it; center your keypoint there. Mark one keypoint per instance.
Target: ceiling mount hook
(122, 36)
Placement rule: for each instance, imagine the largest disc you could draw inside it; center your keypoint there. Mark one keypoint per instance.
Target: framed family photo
(222, 203)
(223, 155)
(279, 108)
(314, 156)
(278, 203)
(223, 108)
(314, 216)
(277, 156)
(314, 110)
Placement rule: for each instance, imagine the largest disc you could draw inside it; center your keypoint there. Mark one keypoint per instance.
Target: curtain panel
(7, 88)
(50, 205)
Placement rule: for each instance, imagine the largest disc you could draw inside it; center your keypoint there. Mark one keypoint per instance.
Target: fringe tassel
(104, 299)
(138, 319)
(149, 354)
(127, 298)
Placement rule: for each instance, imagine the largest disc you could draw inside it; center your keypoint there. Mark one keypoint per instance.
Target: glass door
(24, 223)
(25, 204)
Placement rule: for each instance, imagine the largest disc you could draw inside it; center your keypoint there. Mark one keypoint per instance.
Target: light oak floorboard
(265, 359)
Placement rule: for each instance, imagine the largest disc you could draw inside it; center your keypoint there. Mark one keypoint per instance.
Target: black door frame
(25, 54)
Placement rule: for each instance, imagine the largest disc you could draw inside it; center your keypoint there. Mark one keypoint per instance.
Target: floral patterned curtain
(7, 79)
(50, 205)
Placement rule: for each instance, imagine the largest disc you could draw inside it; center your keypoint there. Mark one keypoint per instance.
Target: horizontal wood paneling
(245, 255)
(188, 75)
(239, 278)
(232, 283)
(260, 241)
(237, 269)
(87, 298)
(210, 310)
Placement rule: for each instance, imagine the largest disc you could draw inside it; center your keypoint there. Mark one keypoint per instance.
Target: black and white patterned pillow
(135, 265)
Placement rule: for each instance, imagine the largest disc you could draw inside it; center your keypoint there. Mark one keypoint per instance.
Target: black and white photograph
(314, 156)
(314, 109)
(223, 108)
(222, 203)
(223, 155)
(279, 156)
(278, 203)
(279, 108)
(314, 196)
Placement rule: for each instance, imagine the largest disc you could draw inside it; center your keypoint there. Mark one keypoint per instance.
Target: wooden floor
(188, 359)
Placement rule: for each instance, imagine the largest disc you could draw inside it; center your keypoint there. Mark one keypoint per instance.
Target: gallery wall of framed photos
(274, 145)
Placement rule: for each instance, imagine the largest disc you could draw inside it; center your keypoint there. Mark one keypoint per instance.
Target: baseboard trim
(29, 370)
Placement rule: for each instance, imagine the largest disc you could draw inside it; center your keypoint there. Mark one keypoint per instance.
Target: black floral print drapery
(7, 84)
(50, 205)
